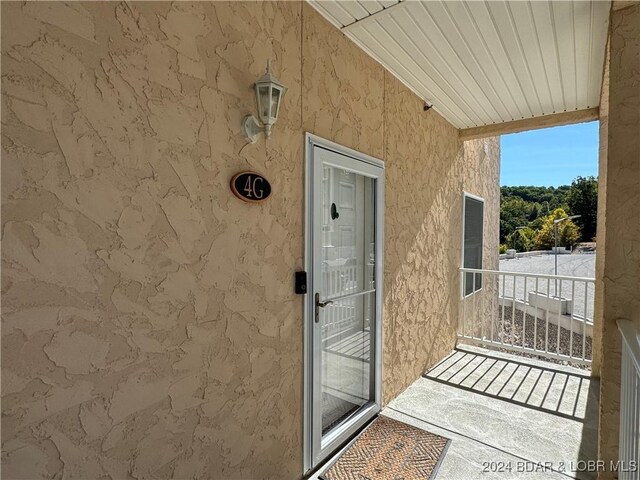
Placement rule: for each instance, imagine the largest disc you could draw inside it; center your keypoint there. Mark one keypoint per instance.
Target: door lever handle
(320, 305)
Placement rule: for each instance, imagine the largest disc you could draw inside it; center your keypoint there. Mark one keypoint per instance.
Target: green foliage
(503, 248)
(525, 206)
(514, 213)
(568, 232)
(531, 207)
(537, 223)
(582, 199)
(522, 240)
(535, 212)
(550, 197)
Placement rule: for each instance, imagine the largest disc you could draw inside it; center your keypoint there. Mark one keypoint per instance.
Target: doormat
(390, 450)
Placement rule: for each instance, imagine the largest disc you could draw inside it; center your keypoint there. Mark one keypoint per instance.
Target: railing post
(473, 303)
(504, 296)
(559, 297)
(546, 317)
(573, 296)
(464, 303)
(535, 321)
(513, 312)
(584, 324)
(524, 315)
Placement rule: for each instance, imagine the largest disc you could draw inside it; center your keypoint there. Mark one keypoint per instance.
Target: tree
(568, 232)
(513, 213)
(535, 212)
(521, 239)
(526, 205)
(582, 199)
(537, 223)
(551, 196)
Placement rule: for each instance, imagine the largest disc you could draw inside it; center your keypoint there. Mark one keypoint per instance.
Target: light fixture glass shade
(264, 106)
(269, 93)
(275, 102)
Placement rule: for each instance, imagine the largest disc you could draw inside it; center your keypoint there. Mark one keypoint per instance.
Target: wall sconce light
(269, 93)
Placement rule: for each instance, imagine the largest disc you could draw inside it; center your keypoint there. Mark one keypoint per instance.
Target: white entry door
(344, 309)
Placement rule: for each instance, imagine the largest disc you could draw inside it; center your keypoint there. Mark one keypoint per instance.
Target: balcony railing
(542, 315)
(629, 402)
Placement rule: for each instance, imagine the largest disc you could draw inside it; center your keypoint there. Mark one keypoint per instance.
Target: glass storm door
(344, 302)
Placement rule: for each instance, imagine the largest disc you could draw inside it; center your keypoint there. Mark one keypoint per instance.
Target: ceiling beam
(374, 16)
(555, 120)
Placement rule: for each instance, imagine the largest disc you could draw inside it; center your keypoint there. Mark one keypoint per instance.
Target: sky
(549, 157)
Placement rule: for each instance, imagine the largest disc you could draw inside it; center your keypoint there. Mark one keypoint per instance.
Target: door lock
(320, 305)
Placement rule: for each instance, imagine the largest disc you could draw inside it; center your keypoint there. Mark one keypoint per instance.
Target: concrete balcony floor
(508, 417)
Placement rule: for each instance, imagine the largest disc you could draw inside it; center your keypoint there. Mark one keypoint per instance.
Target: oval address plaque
(250, 187)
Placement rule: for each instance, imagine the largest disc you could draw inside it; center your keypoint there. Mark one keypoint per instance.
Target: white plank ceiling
(484, 62)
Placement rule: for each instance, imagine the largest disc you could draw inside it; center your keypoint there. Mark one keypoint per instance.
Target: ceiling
(484, 62)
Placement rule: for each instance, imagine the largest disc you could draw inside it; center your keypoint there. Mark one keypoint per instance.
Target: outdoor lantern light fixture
(269, 93)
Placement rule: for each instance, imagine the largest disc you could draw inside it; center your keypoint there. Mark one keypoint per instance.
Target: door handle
(320, 305)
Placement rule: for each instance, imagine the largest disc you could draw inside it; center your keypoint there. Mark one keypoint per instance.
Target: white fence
(629, 455)
(546, 315)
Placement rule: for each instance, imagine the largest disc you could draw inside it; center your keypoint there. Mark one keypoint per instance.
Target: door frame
(311, 456)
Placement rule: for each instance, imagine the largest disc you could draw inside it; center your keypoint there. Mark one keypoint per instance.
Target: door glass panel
(348, 281)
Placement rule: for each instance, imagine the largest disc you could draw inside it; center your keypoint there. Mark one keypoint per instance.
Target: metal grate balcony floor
(508, 417)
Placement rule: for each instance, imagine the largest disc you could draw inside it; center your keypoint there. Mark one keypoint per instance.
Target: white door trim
(368, 166)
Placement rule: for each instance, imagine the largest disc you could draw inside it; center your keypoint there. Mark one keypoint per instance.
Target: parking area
(574, 265)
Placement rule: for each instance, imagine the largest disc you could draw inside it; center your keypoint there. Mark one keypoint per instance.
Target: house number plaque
(250, 187)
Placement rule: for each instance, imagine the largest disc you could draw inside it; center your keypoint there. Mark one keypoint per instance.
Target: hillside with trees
(527, 214)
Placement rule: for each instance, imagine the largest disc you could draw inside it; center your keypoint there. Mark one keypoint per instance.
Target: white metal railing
(338, 280)
(629, 446)
(546, 315)
(345, 314)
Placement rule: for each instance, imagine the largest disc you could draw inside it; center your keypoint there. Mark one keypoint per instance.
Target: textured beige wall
(427, 168)
(482, 179)
(422, 244)
(150, 328)
(343, 88)
(603, 134)
(621, 262)
(149, 323)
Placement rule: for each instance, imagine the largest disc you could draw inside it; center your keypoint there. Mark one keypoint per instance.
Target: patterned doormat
(390, 450)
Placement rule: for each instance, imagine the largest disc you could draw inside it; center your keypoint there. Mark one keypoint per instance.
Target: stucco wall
(427, 169)
(149, 323)
(621, 196)
(482, 179)
(603, 134)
